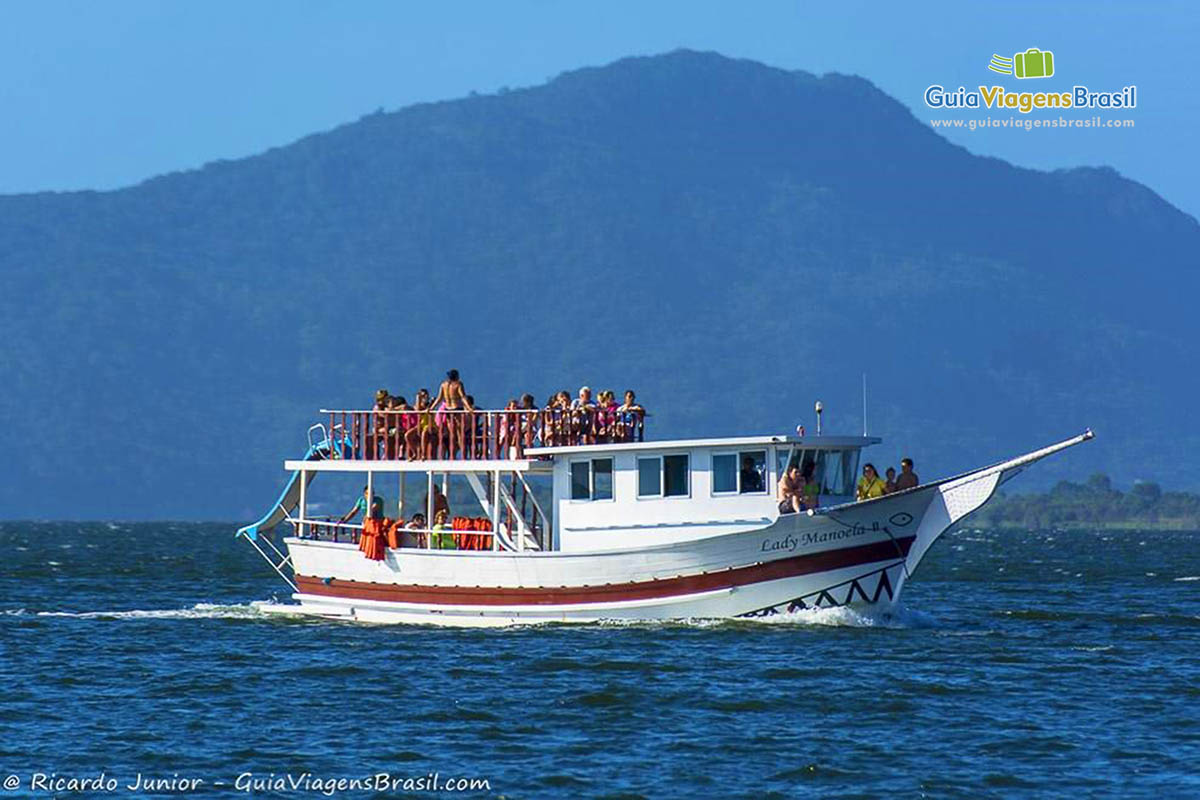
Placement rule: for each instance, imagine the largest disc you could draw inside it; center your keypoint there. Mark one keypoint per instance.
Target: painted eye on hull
(901, 519)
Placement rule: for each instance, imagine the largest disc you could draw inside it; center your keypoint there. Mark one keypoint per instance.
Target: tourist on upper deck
(558, 418)
(418, 439)
(790, 490)
(606, 417)
(631, 403)
(360, 507)
(396, 426)
(377, 429)
(583, 417)
(889, 483)
(509, 427)
(630, 415)
(870, 485)
(907, 479)
(751, 478)
(584, 400)
(529, 420)
(452, 396)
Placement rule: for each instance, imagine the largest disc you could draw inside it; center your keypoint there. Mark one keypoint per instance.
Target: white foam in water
(839, 617)
(198, 611)
(845, 617)
(1189, 578)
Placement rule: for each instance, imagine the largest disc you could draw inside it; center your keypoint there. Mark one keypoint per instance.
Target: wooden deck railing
(377, 435)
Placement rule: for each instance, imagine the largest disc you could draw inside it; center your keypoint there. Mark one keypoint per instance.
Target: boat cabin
(612, 496)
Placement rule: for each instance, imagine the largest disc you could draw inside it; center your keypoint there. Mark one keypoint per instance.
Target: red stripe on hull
(610, 593)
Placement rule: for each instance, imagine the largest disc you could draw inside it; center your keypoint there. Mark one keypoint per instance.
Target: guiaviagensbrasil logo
(1033, 63)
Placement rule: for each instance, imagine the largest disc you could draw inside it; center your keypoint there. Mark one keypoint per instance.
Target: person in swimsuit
(529, 420)
(395, 427)
(606, 417)
(417, 439)
(453, 397)
(377, 428)
(790, 490)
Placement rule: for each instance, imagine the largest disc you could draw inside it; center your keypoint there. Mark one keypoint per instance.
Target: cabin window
(663, 476)
(592, 480)
(752, 472)
(675, 476)
(739, 473)
(833, 470)
(650, 477)
(602, 479)
(724, 473)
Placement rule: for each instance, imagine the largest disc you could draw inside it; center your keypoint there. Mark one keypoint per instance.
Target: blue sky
(102, 95)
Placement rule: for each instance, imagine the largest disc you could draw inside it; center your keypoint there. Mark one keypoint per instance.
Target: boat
(580, 520)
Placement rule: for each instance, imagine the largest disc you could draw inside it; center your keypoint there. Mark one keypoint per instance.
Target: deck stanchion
(495, 509)
(400, 498)
(429, 509)
(303, 506)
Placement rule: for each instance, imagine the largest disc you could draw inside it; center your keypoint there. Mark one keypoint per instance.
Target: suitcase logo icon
(1033, 63)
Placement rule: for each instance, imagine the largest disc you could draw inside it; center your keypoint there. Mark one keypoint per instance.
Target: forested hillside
(732, 240)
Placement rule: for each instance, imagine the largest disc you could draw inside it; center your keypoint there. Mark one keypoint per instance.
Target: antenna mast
(864, 404)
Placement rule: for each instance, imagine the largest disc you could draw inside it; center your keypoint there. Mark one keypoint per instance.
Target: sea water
(1022, 664)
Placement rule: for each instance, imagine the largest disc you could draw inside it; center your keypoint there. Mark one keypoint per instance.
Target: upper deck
(483, 440)
(478, 435)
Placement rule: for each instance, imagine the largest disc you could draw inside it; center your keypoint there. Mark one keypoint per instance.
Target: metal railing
(327, 529)
(459, 434)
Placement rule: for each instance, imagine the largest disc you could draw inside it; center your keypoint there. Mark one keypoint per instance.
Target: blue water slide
(290, 498)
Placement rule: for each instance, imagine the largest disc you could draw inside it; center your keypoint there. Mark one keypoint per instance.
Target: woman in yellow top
(870, 484)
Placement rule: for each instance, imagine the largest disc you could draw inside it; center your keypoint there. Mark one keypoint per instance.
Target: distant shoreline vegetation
(1093, 504)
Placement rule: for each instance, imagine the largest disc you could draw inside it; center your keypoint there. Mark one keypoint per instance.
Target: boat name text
(789, 543)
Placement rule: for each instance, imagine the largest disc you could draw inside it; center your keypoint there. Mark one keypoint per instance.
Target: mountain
(732, 240)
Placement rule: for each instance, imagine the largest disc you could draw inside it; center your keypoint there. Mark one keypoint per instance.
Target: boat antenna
(864, 404)
(819, 408)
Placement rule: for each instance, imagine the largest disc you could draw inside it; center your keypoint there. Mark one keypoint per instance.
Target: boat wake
(198, 611)
(848, 617)
(837, 617)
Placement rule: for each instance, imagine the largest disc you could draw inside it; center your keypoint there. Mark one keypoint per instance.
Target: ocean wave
(1188, 578)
